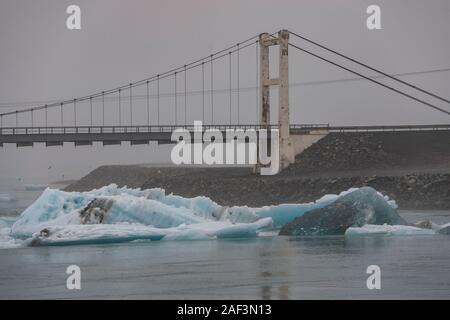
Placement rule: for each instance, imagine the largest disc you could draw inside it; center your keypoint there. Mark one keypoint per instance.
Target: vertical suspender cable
(75, 112)
(157, 96)
(229, 86)
(257, 83)
(90, 106)
(62, 115)
(103, 108)
(131, 105)
(148, 105)
(176, 100)
(238, 102)
(32, 118)
(17, 118)
(46, 116)
(120, 107)
(185, 96)
(212, 88)
(203, 91)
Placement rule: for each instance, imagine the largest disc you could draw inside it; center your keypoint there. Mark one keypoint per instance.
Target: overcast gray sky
(123, 41)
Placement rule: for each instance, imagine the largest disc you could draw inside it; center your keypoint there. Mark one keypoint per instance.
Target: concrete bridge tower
(286, 152)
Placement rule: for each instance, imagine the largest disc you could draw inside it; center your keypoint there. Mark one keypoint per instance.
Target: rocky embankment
(411, 167)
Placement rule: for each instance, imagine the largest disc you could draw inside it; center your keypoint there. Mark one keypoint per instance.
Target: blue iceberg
(112, 214)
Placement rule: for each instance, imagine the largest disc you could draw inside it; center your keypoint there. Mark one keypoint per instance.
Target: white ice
(398, 230)
(54, 218)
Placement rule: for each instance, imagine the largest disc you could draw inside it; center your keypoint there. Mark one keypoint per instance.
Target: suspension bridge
(213, 89)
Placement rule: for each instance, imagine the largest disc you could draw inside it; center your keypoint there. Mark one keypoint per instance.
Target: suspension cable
(370, 79)
(191, 65)
(369, 67)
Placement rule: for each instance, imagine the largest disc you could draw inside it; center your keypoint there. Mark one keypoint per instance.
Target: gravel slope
(411, 167)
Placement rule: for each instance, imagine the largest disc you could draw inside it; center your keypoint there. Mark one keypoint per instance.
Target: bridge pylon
(286, 152)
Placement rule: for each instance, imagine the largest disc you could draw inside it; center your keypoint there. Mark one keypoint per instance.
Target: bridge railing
(389, 128)
(171, 128)
(142, 129)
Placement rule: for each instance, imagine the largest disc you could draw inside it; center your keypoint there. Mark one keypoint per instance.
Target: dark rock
(360, 207)
(95, 211)
(445, 229)
(427, 224)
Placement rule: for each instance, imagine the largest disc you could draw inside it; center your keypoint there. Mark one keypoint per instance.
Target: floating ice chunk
(117, 233)
(52, 208)
(187, 234)
(356, 209)
(397, 230)
(244, 230)
(7, 222)
(35, 187)
(113, 214)
(149, 212)
(6, 240)
(444, 229)
(285, 213)
(330, 198)
(200, 206)
(94, 234)
(4, 197)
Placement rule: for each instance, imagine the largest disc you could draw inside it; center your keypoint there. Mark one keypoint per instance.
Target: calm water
(268, 267)
(20, 193)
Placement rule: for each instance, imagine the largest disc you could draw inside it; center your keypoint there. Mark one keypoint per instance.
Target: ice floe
(396, 230)
(112, 215)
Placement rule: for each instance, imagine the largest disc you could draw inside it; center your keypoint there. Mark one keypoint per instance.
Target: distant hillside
(425, 150)
(411, 167)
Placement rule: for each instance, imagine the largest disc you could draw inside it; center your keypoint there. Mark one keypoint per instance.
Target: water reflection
(272, 270)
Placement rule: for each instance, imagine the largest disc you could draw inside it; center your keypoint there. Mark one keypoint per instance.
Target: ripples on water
(268, 267)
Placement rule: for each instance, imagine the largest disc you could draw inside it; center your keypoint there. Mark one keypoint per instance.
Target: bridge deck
(109, 135)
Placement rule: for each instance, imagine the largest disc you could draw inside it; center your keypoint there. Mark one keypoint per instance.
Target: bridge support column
(264, 80)
(286, 152)
(287, 155)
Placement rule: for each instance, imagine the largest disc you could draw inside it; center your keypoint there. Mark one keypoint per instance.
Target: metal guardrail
(141, 129)
(171, 128)
(389, 128)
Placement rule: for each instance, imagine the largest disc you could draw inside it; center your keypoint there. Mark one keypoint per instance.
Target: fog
(41, 61)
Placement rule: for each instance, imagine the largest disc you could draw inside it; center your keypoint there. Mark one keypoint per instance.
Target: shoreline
(412, 168)
(239, 186)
